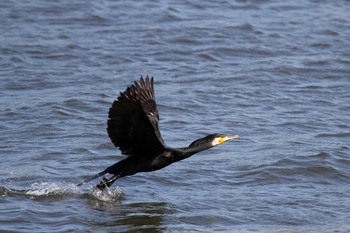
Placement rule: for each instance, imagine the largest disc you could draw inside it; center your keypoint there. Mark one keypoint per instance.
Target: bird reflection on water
(150, 216)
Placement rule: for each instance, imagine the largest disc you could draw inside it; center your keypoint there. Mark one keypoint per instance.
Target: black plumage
(133, 128)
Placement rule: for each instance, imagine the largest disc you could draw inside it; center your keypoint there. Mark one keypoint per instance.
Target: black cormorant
(133, 127)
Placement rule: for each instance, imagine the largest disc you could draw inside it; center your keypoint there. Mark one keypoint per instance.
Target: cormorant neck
(195, 147)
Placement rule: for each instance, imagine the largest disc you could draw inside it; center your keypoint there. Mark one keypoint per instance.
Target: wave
(321, 168)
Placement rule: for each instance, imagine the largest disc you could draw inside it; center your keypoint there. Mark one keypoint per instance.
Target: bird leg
(107, 182)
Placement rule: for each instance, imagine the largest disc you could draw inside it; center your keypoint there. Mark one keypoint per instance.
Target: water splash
(51, 189)
(107, 194)
(55, 190)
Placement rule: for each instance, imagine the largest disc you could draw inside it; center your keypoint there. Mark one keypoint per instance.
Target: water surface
(276, 73)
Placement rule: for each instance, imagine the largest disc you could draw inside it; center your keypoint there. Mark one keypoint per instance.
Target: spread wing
(133, 121)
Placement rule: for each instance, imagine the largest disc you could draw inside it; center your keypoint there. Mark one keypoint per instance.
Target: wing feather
(133, 121)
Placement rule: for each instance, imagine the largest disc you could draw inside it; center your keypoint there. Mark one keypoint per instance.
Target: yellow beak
(226, 138)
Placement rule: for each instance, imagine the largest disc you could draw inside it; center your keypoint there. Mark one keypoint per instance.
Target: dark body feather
(133, 128)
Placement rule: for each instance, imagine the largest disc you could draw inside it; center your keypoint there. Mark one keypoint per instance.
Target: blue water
(276, 73)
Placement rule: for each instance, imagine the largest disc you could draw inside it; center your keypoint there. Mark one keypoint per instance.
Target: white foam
(45, 189)
(107, 194)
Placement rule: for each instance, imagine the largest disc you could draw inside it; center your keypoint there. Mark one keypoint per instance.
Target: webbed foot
(103, 184)
(106, 182)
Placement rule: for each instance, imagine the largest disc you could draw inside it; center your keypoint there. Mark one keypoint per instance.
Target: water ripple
(277, 73)
(321, 167)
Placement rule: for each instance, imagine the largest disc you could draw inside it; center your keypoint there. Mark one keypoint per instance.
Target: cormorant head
(217, 139)
(211, 140)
